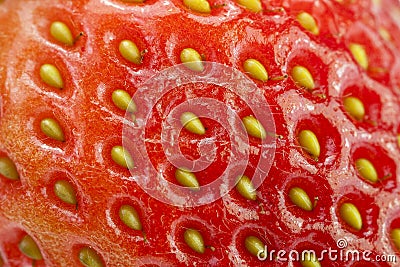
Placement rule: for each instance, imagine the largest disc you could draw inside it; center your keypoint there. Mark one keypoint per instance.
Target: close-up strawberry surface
(284, 133)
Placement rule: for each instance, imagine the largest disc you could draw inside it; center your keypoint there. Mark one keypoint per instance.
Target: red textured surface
(92, 68)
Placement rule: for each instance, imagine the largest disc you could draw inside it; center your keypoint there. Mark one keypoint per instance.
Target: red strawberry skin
(92, 68)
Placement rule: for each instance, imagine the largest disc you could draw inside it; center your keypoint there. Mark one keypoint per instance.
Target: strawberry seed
(89, 258)
(123, 100)
(51, 76)
(51, 128)
(122, 157)
(255, 69)
(254, 127)
(201, 6)
(8, 169)
(303, 77)
(194, 240)
(300, 198)
(367, 170)
(255, 246)
(130, 217)
(65, 191)
(350, 214)
(192, 123)
(130, 51)
(308, 22)
(246, 188)
(61, 33)
(187, 178)
(192, 59)
(29, 248)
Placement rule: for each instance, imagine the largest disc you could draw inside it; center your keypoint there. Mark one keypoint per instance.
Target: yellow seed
(89, 258)
(122, 157)
(192, 59)
(254, 127)
(29, 248)
(201, 6)
(303, 77)
(245, 187)
(187, 178)
(300, 198)
(61, 33)
(350, 214)
(309, 142)
(310, 260)
(130, 51)
(385, 34)
(130, 217)
(395, 235)
(367, 170)
(65, 191)
(51, 76)
(252, 5)
(308, 22)
(123, 100)
(255, 246)
(8, 169)
(398, 139)
(192, 123)
(255, 69)
(51, 128)
(194, 240)
(359, 54)
(354, 107)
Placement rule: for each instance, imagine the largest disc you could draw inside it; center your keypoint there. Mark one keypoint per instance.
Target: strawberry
(199, 132)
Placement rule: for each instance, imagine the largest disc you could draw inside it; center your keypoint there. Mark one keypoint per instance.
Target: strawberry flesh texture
(93, 125)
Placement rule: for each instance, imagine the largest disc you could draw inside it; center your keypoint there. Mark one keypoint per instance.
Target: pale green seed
(123, 100)
(29, 248)
(395, 235)
(246, 188)
(51, 76)
(8, 169)
(350, 214)
(309, 142)
(192, 59)
(303, 77)
(255, 246)
(254, 127)
(130, 51)
(354, 107)
(130, 217)
(61, 33)
(194, 240)
(255, 69)
(359, 54)
(192, 123)
(300, 198)
(201, 6)
(366, 170)
(89, 257)
(65, 191)
(187, 178)
(251, 5)
(308, 22)
(122, 157)
(51, 128)
(310, 260)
